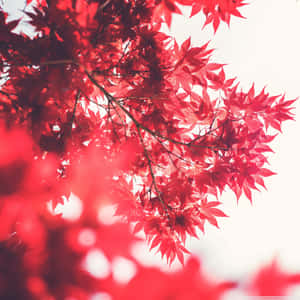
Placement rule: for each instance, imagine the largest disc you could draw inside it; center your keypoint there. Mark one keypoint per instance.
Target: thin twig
(151, 170)
(73, 113)
(120, 117)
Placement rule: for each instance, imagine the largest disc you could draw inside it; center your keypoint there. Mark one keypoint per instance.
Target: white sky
(265, 49)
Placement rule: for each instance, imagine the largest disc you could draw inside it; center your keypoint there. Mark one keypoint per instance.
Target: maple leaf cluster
(99, 102)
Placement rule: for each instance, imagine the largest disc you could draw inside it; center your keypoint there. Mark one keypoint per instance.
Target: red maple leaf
(271, 280)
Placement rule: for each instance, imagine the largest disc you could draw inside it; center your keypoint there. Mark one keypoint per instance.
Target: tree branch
(151, 170)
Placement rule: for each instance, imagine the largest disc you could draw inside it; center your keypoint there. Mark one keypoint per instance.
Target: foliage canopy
(101, 103)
